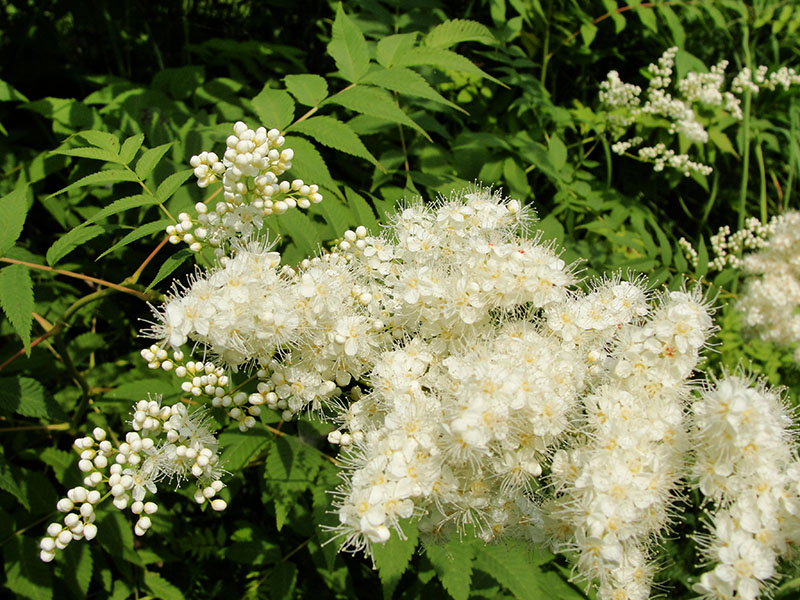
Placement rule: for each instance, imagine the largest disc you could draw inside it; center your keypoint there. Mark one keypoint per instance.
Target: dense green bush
(101, 109)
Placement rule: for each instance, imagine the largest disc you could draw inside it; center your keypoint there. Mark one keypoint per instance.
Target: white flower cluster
(771, 295)
(695, 91)
(747, 467)
(614, 485)
(167, 442)
(250, 171)
(481, 361)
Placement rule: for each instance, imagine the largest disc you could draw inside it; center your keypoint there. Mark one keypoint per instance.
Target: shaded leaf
(393, 557)
(77, 570)
(441, 59)
(308, 164)
(392, 46)
(13, 210)
(26, 575)
(93, 153)
(362, 211)
(101, 139)
(8, 483)
(122, 205)
(238, 448)
(161, 588)
(8, 93)
(169, 265)
(16, 300)
(27, 397)
(453, 564)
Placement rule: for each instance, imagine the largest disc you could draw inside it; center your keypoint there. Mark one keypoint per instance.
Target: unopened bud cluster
(249, 171)
(692, 94)
(167, 443)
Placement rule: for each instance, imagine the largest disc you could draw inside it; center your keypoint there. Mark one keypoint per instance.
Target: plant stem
(746, 135)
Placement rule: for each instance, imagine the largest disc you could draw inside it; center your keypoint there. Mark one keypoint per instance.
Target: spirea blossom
(771, 294)
(695, 92)
(747, 468)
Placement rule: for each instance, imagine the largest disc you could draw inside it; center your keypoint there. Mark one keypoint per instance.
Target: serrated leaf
(101, 139)
(441, 59)
(130, 147)
(161, 588)
(71, 240)
(138, 233)
(142, 389)
(393, 557)
(93, 153)
(702, 259)
(100, 178)
(26, 575)
(291, 468)
(408, 82)
(721, 141)
(77, 569)
(149, 159)
(300, 229)
(453, 564)
(335, 134)
(122, 205)
(308, 89)
(8, 483)
(362, 211)
(16, 300)
(308, 164)
(115, 534)
(395, 45)
(13, 210)
(172, 184)
(238, 448)
(374, 102)
(169, 265)
(59, 460)
(27, 397)
(510, 565)
(455, 31)
(282, 581)
(275, 108)
(348, 47)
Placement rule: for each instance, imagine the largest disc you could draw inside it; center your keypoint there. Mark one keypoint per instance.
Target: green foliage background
(103, 103)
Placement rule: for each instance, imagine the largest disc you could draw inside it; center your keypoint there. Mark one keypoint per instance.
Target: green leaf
(27, 397)
(335, 213)
(408, 82)
(557, 152)
(362, 211)
(511, 566)
(392, 46)
(26, 575)
(300, 229)
(149, 159)
(308, 164)
(648, 18)
(275, 108)
(702, 259)
(374, 102)
(455, 31)
(441, 59)
(115, 534)
(8, 93)
(71, 240)
(13, 210)
(16, 300)
(8, 483)
(101, 139)
(588, 33)
(348, 47)
(335, 134)
(393, 557)
(100, 178)
(61, 462)
(77, 569)
(674, 24)
(122, 205)
(291, 468)
(161, 588)
(238, 448)
(142, 389)
(308, 89)
(453, 564)
(130, 147)
(139, 233)
(282, 581)
(172, 184)
(721, 141)
(93, 153)
(169, 265)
